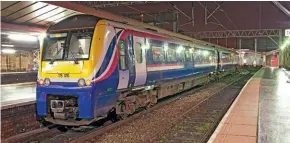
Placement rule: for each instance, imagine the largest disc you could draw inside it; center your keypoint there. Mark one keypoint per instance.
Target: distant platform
(3, 73)
(261, 111)
(18, 77)
(17, 93)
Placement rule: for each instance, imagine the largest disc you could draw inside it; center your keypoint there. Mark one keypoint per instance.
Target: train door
(218, 60)
(140, 61)
(131, 58)
(126, 61)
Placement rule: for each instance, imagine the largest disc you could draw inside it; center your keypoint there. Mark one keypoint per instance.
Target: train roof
(200, 43)
(78, 21)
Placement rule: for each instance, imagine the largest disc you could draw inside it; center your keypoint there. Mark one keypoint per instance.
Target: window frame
(141, 53)
(45, 48)
(66, 44)
(163, 53)
(188, 57)
(125, 55)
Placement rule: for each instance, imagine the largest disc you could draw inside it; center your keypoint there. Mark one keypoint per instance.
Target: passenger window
(181, 56)
(158, 54)
(171, 54)
(188, 55)
(198, 56)
(123, 65)
(138, 50)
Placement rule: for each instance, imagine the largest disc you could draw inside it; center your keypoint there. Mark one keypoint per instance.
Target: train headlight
(81, 82)
(46, 82)
(40, 82)
(88, 82)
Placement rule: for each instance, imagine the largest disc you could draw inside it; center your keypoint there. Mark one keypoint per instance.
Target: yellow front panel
(70, 67)
(85, 67)
(97, 44)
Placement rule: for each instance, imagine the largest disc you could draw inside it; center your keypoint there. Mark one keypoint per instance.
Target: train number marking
(65, 75)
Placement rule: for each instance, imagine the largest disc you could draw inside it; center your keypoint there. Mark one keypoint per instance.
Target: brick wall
(18, 119)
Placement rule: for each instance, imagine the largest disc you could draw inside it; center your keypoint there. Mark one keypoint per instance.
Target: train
(92, 68)
(250, 58)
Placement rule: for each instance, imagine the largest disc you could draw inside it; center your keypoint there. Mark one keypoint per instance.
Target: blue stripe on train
(171, 75)
(108, 54)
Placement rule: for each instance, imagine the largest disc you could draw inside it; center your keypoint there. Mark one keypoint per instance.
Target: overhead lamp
(4, 45)
(8, 51)
(22, 37)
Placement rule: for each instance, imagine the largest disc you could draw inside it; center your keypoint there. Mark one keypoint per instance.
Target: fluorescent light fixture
(22, 37)
(8, 51)
(4, 45)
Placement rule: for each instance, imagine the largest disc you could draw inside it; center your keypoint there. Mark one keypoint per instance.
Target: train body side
(122, 61)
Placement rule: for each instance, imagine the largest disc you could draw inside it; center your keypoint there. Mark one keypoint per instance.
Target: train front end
(66, 69)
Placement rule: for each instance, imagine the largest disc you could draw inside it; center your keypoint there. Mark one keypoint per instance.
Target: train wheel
(42, 122)
(62, 128)
(112, 115)
(45, 123)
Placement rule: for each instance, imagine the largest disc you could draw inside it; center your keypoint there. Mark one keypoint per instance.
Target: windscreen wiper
(53, 58)
(75, 59)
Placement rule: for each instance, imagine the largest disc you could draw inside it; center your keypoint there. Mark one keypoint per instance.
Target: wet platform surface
(260, 113)
(17, 93)
(274, 107)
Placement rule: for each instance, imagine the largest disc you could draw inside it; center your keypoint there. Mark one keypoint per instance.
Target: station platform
(18, 77)
(260, 113)
(17, 93)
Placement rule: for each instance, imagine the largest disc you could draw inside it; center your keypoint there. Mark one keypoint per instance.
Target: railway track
(52, 134)
(197, 124)
(81, 137)
(87, 134)
(34, 135)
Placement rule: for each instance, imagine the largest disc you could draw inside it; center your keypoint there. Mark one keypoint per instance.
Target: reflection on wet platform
(17, 93)
(274, 113)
